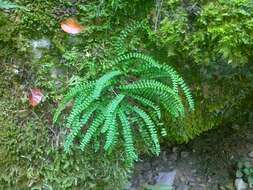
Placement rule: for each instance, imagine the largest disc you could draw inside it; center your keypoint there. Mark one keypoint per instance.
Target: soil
(208, 162)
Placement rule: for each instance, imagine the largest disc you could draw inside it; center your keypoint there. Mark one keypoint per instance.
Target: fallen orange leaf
(71, 26)
(35, 97)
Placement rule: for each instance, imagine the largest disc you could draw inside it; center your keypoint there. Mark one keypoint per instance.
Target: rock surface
(166, 178)
(240, 184)
(250, 154)
(208, 162)
(38, 46)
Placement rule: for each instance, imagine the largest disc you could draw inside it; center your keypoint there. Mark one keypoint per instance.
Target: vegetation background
(208, 42)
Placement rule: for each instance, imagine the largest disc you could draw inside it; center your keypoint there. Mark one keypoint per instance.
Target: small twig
(158, 12)
(51, 130)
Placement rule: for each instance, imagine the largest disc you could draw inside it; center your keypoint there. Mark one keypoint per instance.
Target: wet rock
(56, 73)
(139, 166)
(240, 184)
(166, 178)
(236, 127)
(182, 187)
(182, 179)
(37, 53)
(58, 84)
(172, 157)
(147, 166)
(174, 149)
(184, 154)
(41, 43)
(239, 174)
(156, 163)
(250, 154)
(38, 46)
(128, 186)
(164, 156)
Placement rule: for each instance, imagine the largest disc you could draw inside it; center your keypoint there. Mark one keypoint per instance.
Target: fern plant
(127, 102)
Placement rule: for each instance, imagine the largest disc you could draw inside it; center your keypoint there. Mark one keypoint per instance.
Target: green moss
(30, 159)
(31, 148)
(207, 32)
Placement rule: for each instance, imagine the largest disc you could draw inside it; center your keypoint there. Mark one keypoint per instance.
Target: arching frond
(154, 89)
(80, 105)
(150, 66)
(147, 102)
(119, 43)
(110, 110)
(82, 88)
(92, 130)
(102, 82)
(110, 124)
(187, 93)
(150, 126)
(76, 129)
(110, 118)
(128, 136)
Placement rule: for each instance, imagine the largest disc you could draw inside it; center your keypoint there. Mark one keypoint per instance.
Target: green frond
(115, 138)
(102, 83)
(79, 106)
(147, 102)
(119, 43)
(92, 130)
(110, 124)
(169, 71)
(187, 93)
(110, 109)
(76, 129)
(76, 106)
(156, 90)
(163, 70)
(150, 126)
(128, 136)
(166, 70)
(110, 118)
(178, 81)
(150, 66)
(163, 132)
(83, 88)
(144, 133)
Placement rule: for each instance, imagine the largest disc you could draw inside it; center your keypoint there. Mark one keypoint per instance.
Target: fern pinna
(124, 102)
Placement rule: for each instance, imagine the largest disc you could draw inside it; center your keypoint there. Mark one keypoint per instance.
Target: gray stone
(58, 84)
(166, 178)
(37, 53)
(182, 187)
(173, 157)
(164, 156)
(41, 43)
(240, 184)
(250, 154)
(147, 166)
(174, 149)
(38, 46)
(184, 154)
(56, 73)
